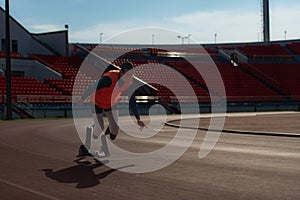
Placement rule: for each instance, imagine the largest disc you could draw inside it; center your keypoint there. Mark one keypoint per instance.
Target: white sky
(231, 20)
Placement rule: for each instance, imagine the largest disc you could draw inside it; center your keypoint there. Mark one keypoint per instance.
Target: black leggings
(96, 109)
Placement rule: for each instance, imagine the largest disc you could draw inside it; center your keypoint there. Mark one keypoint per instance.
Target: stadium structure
(258, 76)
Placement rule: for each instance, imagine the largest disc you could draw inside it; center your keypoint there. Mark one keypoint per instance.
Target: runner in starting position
(104, 95)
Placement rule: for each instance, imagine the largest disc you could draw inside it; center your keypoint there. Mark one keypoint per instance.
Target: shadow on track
(83, 174)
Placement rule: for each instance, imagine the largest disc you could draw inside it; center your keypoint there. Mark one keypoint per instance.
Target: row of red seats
(286, 74)
(110, 52)
(239, 83)
(67, 86)
(273, 51)
(12, 54)
(67, 66)
(27, 86)
(119, 62)
(168, 81)
(295, 47)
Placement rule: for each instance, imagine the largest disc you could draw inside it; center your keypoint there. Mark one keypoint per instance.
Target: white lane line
(263, 152)
(28, 189)
(32, 153)
(243, 150)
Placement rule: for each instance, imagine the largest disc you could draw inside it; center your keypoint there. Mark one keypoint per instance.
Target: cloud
(92, 34)
(45, 28)
(285, 19)
(229, 25)
(134, 31)
(235, 25)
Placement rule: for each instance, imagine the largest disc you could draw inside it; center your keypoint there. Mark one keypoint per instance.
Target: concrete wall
(40, 114)
(85, 112)
(26, 43)
(31, 68)
(56, 40)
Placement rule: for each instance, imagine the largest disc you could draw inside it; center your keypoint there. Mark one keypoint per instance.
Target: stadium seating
(266, 52)
(295, 47)
(168, 81)
(240, 86)
(27, 86)
(288, 74)
(67, 87)
(12, 54)
(66, 66)
(154, 66)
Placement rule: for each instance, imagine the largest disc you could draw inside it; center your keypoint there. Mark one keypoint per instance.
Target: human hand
(141, 124)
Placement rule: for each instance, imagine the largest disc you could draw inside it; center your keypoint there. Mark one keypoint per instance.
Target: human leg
(113, 116)
(98, 125)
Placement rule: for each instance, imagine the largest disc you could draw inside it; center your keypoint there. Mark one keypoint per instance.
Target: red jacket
(107, 97)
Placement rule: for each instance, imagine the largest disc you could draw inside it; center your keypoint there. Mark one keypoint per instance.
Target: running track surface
(37, 162)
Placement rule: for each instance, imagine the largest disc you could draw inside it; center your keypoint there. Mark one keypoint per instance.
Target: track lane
(37, 156)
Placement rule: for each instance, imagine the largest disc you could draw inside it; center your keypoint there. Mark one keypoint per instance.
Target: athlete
(104, 95)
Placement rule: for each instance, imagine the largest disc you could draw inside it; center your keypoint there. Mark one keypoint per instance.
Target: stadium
(238, 103)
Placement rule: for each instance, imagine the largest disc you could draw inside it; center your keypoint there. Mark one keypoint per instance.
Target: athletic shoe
(112, 136)
(99, 154)
(107, 132)
(83, 151)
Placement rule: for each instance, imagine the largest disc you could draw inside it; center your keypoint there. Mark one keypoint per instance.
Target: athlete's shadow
(83, 174)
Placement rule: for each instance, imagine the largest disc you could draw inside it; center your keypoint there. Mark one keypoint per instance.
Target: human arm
(135, 111)
(102, 83)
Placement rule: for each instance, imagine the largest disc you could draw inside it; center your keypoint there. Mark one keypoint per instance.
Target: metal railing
(30, 100)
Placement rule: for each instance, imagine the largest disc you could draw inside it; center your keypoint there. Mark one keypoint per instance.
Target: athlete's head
(127, 70)
(126, 66)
